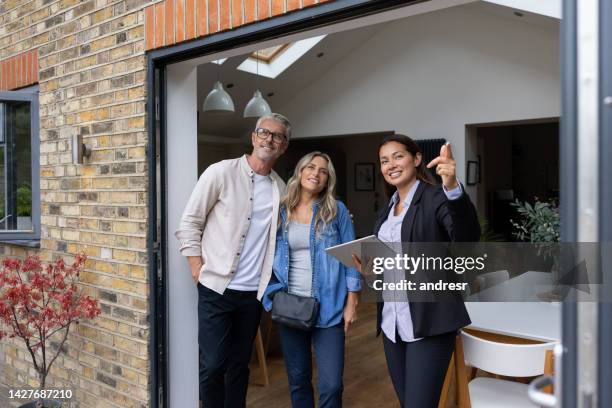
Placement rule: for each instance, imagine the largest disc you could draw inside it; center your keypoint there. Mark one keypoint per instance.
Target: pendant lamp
(257, 106)
(218, 100)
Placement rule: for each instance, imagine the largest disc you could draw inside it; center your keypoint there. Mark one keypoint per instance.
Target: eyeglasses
(263, 134)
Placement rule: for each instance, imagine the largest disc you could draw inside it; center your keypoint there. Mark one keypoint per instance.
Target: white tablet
(373, 246)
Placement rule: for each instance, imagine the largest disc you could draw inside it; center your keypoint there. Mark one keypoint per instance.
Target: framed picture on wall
(473, 173)
(364, 176)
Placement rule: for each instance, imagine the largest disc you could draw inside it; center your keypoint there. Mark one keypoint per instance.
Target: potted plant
(24, 207)
(538, 222)
(39, 303)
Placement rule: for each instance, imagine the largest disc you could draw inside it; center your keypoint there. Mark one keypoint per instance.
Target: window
(19, 166)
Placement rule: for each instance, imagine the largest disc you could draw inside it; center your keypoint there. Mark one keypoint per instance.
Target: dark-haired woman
(418, 336)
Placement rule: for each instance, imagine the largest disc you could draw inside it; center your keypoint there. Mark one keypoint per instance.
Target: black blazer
(432, 217)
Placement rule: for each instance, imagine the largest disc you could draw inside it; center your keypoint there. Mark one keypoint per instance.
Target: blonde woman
(311, 219)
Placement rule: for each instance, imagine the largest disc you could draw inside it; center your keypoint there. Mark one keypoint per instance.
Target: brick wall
(173, 21)
(88, 57)
(91, 75)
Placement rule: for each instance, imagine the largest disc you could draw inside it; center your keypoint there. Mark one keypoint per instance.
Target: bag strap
(312, 265)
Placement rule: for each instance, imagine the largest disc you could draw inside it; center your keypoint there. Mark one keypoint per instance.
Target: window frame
(30, 95)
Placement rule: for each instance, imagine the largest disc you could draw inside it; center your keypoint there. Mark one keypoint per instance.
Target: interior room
(431, 76)
(344, 91)
(518, 161)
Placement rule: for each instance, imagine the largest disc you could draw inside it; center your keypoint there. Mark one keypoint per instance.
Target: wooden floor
(366, 380)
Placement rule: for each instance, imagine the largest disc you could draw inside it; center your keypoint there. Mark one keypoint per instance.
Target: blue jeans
(329, 354)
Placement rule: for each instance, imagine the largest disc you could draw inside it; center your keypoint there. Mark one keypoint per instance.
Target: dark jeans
(417, 369)
(329, 354)
(227, 328)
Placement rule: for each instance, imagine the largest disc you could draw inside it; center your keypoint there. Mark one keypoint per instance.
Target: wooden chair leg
(460, 371)
(261, 357)
(548, 369)
(447, 382)
(473, 373)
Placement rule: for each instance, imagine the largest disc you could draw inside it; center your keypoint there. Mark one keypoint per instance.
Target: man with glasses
(228, 234)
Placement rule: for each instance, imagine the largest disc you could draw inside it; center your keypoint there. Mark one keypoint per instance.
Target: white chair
(513, 360)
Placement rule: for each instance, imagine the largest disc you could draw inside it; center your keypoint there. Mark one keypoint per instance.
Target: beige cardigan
(216, 220)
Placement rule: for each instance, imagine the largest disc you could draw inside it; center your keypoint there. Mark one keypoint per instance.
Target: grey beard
(263, 156)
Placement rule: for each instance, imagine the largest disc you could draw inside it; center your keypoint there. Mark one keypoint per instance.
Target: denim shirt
(331, 279)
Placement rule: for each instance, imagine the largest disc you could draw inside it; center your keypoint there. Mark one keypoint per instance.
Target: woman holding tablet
(311, 219)
(418, 337)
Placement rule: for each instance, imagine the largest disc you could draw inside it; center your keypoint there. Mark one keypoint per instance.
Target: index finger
(435, 161)
(445, 151)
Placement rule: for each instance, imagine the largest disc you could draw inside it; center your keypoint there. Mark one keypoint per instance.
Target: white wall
(429, 75)
(550, 8)
(182, 293)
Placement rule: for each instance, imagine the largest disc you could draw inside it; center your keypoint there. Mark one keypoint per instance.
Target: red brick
(277, 7)
(293, 5)
(180, 20)
(11, 74)
(169, 15)
(249, 11)
(201, 18)
(213, 17)
(15, 72)
(7, 76)
(150, 27)
(2, 76)
(237, 18)
(17, 84)
(35, 66)
(159, 25)
(23, 68)
(263, 10)
(189, 19)
(28, 68)
(224, 14)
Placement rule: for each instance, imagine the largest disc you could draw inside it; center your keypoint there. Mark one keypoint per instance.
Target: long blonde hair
(327, 200)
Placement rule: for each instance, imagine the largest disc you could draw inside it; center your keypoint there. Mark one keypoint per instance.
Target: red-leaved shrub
(38, 304)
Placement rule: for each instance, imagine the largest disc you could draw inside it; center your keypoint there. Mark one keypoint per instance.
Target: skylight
(274, 60)
(267, 55)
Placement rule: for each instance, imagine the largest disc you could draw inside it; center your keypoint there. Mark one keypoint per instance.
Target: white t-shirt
(249, 267)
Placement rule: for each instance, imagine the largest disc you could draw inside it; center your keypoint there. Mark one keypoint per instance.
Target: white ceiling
(307, 69)
(303, 72)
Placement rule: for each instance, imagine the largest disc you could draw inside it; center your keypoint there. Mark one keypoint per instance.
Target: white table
(528, 286)
(539, 321)
(533, 319)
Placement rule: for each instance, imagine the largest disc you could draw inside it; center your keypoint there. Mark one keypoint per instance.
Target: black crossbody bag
(298, 312)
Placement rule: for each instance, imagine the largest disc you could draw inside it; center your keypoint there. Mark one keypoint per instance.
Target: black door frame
(325, 14)
(604, 386)
(568, 190)
(331, 13)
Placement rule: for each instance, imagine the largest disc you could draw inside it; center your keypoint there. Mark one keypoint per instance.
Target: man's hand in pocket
(195, 263)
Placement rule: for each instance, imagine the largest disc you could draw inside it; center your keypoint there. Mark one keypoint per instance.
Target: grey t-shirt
(300, 265)
(248, 272)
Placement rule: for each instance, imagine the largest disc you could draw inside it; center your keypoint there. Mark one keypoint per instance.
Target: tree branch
(59, 349)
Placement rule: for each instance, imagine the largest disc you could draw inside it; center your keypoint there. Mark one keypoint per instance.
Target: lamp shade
(218, 101)
(257, 106)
